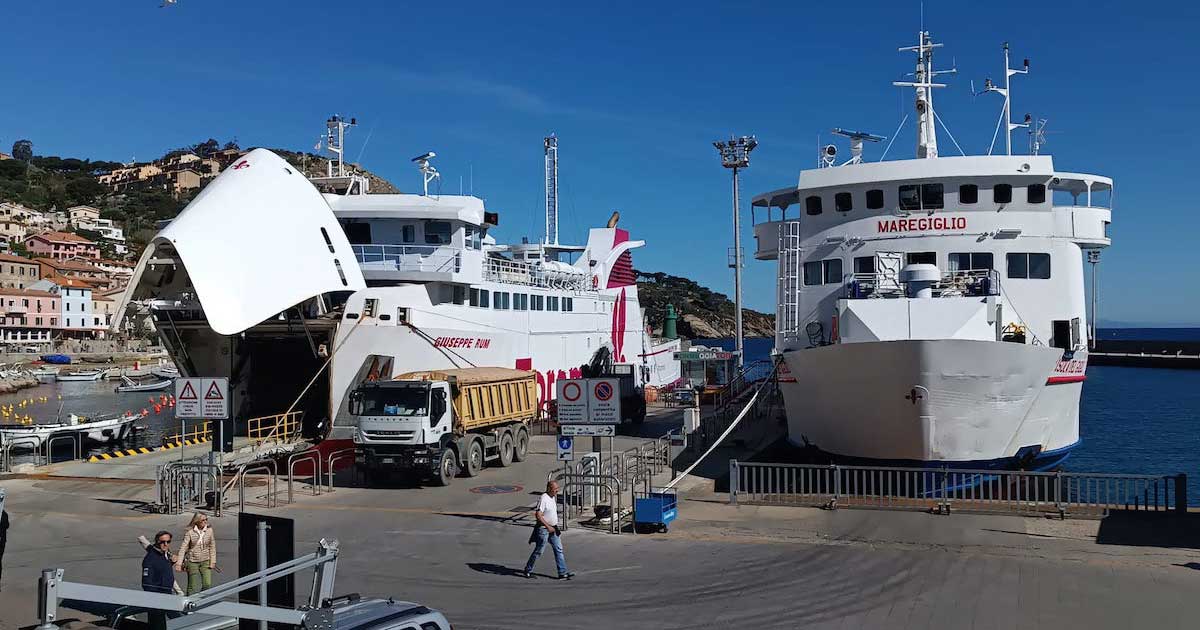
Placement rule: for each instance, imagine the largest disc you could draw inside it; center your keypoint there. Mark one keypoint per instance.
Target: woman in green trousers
(198, 554)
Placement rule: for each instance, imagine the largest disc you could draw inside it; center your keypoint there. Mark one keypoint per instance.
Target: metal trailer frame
(314, 615)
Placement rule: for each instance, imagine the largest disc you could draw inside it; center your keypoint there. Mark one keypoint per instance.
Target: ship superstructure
(931, 311)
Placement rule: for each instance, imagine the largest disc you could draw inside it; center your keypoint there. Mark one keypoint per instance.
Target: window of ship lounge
(1002, 193)
(408, 234)
(552, 303)
(874, 199)
(920, 258)
(458, 294)
(818, 272)
(539, 302)
(812, 205)
(1036, 193)
(1032, 266)
(520, 301)
(963, 261)
(500, 301)
(479, 297)
(843, 202)
(864, 264)
(568, 304)
(914, 197)
(437, 232)
(968, 194)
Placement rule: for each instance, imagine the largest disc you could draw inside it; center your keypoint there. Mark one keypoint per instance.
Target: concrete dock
(458, 548)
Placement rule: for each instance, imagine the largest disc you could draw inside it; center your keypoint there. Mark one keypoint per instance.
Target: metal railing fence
(200, 432)
(945, 489)
(280, 427)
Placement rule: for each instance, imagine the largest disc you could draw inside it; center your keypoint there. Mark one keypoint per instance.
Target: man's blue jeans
(542, 535)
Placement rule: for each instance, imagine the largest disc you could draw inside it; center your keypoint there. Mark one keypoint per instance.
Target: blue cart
(654, 511)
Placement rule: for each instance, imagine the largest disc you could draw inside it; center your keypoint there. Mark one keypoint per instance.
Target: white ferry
(295, 294)
(931, 310)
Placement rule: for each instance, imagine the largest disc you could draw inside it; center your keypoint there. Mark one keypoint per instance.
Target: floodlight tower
(550, 145)
(735, 155)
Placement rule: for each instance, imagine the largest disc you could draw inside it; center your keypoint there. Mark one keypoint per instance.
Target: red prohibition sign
(603, 391)
(572, 392)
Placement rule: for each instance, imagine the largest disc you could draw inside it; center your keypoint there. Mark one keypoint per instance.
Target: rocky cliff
(702, 313)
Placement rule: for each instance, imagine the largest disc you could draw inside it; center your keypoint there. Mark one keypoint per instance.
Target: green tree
(22, 150)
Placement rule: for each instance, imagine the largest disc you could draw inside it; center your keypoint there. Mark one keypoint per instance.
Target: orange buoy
(145, 412)
(157, 408)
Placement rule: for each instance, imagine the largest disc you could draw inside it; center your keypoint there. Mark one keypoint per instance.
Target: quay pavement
(458, 549)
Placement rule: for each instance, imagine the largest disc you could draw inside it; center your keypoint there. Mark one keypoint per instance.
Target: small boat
(130, 385)
(165, 371)
(97, 429)
(80, 375)
(57, 359)
(45, 374)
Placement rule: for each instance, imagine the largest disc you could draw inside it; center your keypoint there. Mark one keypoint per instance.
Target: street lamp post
(1093, 256)
(735, 155)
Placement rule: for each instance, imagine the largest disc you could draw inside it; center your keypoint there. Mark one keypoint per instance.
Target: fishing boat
(45, 374)
(165, 371)
(931, 310)
(80, 375)
(354, 286)
(130, 385)
(102, 429)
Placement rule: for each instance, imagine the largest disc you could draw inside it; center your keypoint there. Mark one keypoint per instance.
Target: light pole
(735, 154)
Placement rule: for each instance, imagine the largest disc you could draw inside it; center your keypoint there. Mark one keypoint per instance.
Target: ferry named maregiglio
(298, 290)
(931, 311)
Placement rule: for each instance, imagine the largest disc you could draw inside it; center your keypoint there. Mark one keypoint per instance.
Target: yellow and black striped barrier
(130, 452)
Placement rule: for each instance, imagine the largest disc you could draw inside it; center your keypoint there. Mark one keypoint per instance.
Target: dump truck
(438, 423)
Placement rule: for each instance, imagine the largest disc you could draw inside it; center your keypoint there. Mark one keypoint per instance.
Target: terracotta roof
(62, 237)
(13, 258)
(70, 282)
(69, 265)
(116, 263)
(100, 298)
(28, 293)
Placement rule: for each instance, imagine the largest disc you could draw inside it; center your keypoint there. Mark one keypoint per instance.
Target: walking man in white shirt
(545, 530)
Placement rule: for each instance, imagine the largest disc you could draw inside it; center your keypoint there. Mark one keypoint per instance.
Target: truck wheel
(521, 445)
(506, 449)
(446, 469)
(474, 459)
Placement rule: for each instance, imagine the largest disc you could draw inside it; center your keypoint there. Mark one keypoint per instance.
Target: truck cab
(401, 412)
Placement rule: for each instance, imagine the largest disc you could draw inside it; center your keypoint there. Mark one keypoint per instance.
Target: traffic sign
(187, 398)
(215, 405)
(566, 448)
(202, 398)
(605, 404)
(594, 430)
(572, 400)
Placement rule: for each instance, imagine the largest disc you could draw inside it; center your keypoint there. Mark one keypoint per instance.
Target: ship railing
(527, 274)
(943, 490)
(409, 258)
(961, 283)
(200, 432)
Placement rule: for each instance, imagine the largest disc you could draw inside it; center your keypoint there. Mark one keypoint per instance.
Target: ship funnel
(612, 221)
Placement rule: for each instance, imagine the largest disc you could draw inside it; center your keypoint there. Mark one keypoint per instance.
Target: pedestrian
(158, 575)
(3, 534)
(546, 530)
(198, 554)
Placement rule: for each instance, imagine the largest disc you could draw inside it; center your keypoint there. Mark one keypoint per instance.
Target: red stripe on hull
(1059, 380)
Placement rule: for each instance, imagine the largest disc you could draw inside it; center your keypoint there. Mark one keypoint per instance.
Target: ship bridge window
(819, 272)
(968, 194)
(915, 197)
(568, 304)
(864, 264)
(501, 301)
(437, 232)
(874, 199)
(1036, 193)
(843, 202)
(357, 233)
(1032, 266)
(812, 205)
(963, 261)
(408, 234)
(1002, 193)
(472, 236)
(920, 258)
(458, 294)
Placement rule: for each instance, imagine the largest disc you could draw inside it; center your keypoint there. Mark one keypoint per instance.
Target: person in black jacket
(3, 535)
(158, 574)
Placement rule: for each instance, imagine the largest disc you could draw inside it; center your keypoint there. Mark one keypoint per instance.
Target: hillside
(57, 183)
(702, 313)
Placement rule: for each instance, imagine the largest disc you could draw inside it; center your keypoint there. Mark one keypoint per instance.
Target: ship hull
(960, 403)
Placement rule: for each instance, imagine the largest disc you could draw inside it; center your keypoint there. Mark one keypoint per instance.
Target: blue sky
(636, 92)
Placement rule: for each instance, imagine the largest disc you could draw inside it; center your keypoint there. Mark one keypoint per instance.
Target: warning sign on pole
(187, 398)
(215, 405)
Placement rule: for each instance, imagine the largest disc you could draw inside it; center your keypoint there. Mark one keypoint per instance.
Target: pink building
(28, 317)
(61, 246)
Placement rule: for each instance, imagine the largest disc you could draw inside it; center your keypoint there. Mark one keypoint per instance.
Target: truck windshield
(393, 401)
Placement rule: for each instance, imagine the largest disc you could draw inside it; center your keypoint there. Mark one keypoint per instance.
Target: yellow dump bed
(485, 396)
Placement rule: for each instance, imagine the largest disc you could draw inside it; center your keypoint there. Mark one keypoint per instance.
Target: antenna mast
(335, 135)
(926, 123)
(1006, 92)
(550, 144)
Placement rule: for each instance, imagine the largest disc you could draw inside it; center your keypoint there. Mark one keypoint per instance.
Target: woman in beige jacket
(198, 554)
